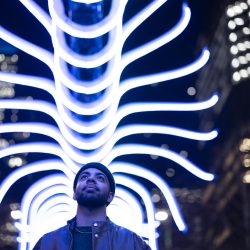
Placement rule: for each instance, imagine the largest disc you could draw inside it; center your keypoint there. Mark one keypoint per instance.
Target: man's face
(92, 189)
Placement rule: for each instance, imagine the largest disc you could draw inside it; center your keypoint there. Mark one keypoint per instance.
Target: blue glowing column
(86, 14)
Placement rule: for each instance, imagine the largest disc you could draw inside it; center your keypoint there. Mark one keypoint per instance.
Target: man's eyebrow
(88, 173)
(84, 172)
(101, 174)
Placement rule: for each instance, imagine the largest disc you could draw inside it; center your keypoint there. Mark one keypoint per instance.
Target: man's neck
(86, 216)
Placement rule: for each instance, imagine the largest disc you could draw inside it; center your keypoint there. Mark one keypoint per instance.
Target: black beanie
(102, 168)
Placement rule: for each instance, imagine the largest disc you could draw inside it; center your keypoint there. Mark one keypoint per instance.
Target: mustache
(90, 185)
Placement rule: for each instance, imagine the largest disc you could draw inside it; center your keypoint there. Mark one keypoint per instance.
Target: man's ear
(74, 196)
(110, 197)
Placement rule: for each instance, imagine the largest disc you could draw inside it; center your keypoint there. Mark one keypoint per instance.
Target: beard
(92, 200)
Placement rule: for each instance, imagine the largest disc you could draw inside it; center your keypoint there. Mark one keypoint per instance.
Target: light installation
(47, 204)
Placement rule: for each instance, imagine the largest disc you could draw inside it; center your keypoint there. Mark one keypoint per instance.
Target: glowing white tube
(85, 127)
(87, 1)
(125, 201)
(87, 61)
(76, 107)
(164, 106)
(74, 154)
(59, 198)
(93, 108)
(86, 31)
(50, 110)
(46, 148)
(32, 192)
(123, 111)
(40, 128)
(55, 220)
(36, 217)
(165, 153)
(134, 169)
(136, 82)
(38, 166)
(39, 13)
(81, 86)
(133, 83)
(43, 203)
(138, 129)
(178, 159)
(95, 143)
(56, 210)
(30, 81)
(159, 41)
(129, 109)
(142, 191)
(140, 17)
(53, 200)
(80, 157)
(28, 47)
(46, 200)
(81, 108)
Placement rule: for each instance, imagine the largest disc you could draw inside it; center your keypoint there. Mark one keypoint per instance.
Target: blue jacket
(105, 236)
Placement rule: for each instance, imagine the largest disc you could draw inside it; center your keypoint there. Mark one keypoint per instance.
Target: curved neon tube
(139, 81)
(134, 169)
(86, 31)
(87, 1)
(119, 150)
(30, 81)
(39, 13)
(165, 153)
(44, 202)
(159, 41)
(32, 192)
(46, 148)
(105, 146)
(142, 191)
(53, 183)
(140, 17)
(87, 61)
(44, 165)
(126, 203)
(28, 47)
(123, 111)
(134, 83)
(80, 86)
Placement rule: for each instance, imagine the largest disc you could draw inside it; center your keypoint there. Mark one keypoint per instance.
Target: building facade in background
(226, 218)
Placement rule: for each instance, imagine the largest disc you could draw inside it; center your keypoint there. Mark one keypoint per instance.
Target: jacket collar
(96, 224)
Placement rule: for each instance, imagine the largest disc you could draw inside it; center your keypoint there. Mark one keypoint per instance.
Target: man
(91, 229)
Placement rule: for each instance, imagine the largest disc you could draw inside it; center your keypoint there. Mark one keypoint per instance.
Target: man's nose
(91, 178)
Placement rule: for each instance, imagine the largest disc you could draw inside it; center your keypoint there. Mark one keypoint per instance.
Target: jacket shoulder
(130, 238)
(49, 239)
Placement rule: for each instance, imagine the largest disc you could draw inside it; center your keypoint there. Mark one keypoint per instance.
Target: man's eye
(84, 177)
(100, 178)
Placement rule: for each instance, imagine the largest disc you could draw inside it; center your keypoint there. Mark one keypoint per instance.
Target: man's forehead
(92, 170)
